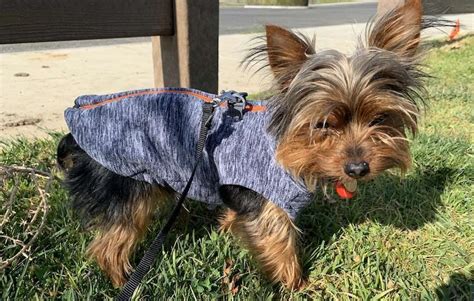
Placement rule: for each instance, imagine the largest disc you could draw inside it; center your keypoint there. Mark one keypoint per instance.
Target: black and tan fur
(328, 110)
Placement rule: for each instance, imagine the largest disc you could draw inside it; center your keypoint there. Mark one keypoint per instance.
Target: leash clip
(236, 102)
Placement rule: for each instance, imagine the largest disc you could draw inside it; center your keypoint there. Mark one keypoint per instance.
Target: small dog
(333, 119)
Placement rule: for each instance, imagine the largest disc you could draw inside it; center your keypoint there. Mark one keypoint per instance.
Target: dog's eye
(379, 120)
(322, 125)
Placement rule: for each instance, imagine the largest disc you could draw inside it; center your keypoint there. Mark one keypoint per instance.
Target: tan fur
(286, 52)
(330, 110)
(398, 30)
(347, 94)
(311, 156)
(112, 247)
(325, 114)
(272, 239)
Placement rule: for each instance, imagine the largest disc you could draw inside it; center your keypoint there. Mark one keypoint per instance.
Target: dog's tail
(66, 147)
(99, 196)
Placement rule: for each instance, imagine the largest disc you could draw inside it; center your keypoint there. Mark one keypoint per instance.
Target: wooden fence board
(59, 20)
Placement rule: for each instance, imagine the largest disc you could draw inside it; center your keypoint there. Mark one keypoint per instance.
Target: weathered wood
(190, 57)
(60, 20)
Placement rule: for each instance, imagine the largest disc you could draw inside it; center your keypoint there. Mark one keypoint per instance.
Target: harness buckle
(236, 102)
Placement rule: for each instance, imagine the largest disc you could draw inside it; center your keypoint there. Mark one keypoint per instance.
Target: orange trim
(255, 108)
(248, 107)
(91, 106)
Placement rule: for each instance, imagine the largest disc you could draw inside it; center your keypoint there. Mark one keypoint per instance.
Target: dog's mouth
(346, 188)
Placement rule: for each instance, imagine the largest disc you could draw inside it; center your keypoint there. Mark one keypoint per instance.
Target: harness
(236, 103)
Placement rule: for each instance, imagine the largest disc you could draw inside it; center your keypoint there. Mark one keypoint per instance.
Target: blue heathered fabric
(153, 138)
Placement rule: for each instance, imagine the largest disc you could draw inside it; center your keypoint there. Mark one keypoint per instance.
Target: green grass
(399, 239)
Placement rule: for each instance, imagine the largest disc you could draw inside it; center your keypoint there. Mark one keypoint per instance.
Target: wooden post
(189, 58)
(386, 5)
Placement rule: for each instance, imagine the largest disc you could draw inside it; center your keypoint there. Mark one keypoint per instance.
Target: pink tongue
(342, 191)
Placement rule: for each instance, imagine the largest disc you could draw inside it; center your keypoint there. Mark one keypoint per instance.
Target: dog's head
(346, 118)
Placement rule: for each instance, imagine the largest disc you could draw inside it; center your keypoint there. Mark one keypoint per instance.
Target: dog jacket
(151, 136)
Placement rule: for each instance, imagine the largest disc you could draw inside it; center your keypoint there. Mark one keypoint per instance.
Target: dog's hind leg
(115, 241)
(267, 231)
(119, 209)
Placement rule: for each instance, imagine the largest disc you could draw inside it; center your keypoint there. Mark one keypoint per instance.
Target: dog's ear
(286, 52)
(398, 30)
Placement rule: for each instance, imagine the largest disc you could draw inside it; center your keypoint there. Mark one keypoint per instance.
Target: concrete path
(36, 86)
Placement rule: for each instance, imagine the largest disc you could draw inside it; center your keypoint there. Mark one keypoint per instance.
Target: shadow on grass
(406, 203)
(460, 288)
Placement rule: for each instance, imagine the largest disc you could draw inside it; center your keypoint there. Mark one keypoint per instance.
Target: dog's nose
(357, 170)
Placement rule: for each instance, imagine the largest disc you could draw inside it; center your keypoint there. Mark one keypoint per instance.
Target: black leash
(150, 255)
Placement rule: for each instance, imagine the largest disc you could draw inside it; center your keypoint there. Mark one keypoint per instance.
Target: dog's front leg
(267, 231)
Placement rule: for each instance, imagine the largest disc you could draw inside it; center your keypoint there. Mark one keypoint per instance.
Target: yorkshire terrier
(332, 119)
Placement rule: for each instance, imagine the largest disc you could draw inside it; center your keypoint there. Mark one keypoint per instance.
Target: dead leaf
(227, 271)
(234, 285)
(230, 281)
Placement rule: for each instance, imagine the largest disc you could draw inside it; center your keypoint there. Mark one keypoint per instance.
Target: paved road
(242, 20)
